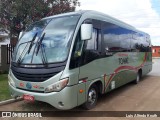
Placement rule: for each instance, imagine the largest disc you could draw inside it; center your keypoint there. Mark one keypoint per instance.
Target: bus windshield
(46, 41)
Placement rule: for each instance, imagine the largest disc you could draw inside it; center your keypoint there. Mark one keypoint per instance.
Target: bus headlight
(11, 82)
(58, 86)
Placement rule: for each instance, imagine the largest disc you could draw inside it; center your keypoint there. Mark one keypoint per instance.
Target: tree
(17, 14)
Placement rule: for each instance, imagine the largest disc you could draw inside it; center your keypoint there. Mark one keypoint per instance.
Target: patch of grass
(4, 88)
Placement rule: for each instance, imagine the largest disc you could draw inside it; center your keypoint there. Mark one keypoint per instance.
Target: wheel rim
(138, 78)
(92, 95)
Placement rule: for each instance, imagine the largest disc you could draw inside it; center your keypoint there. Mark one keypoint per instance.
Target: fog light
(61, 104)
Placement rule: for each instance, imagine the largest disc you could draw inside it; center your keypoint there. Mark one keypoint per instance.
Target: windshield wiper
(31, 44)
(21, 55)
(39, 45)
(44, 58)
(40, 42)
(30, 47)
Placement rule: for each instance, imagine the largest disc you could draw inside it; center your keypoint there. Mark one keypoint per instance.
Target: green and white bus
(69, 59)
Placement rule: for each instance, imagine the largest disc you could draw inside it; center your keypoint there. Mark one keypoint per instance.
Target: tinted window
(90, 50)
(85, 51)
(134, 43)
(116, 39)
(77, 51)
(92, 44)
(140, 43)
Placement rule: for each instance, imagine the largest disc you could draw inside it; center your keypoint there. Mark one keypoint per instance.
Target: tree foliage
(16, 14)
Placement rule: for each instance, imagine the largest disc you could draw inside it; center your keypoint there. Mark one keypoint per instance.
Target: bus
(68, 60)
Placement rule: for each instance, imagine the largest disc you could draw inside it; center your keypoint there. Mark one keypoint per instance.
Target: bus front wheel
(92, 97)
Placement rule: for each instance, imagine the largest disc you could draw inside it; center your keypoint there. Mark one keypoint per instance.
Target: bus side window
(77, 51)
(92, 44)
(91, 52)
(140, 43)
(116, 38)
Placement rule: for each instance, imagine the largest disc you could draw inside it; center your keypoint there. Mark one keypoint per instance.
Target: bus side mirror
(86, 31)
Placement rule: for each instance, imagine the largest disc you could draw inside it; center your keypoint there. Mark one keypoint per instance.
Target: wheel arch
(99, 85)
(140, 72)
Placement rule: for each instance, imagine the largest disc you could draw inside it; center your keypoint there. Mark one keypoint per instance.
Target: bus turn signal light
(80, 91)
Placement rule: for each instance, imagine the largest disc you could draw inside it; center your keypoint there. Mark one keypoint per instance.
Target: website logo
(6, 114)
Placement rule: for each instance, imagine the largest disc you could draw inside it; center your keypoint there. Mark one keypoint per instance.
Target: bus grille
(35, 75)
(32, 77)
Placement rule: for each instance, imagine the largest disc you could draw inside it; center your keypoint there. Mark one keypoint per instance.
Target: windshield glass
(46, 41)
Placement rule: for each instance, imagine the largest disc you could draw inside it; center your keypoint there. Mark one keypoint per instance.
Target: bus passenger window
(92, 44)
(116, 38)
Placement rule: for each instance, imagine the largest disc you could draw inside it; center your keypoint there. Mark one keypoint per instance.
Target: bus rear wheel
(137, 78)
(92, 97)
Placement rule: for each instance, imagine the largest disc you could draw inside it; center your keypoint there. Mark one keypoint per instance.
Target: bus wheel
(92, 97)
(137, 78)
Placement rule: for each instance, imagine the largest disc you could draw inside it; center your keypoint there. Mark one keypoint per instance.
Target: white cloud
(138, 13)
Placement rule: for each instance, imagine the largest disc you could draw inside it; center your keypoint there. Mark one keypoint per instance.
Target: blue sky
(142, 14)
(156, 5)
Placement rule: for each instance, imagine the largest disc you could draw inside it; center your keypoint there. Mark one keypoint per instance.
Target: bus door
(90, 65)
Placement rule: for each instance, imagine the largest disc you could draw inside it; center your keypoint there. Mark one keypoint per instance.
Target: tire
(92, 97)
(137, 78)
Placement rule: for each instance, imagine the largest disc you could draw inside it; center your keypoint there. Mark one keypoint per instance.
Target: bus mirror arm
(78, 53)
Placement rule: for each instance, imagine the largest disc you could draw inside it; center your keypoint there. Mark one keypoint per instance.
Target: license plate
(28, 98)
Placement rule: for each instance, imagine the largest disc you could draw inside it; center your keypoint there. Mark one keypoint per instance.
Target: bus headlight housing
(58, 86)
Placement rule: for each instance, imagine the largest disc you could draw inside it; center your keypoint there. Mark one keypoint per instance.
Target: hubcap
(138, 78)
(92, 96)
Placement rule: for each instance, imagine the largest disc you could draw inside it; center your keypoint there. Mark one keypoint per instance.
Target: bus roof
(101, 16)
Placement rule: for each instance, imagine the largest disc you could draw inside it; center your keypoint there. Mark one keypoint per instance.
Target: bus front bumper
(65, 99)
